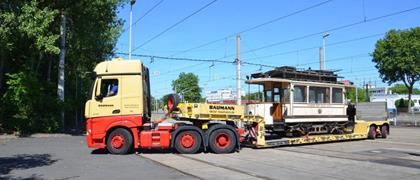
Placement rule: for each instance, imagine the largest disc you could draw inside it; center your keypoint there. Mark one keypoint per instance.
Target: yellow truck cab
(127, 108)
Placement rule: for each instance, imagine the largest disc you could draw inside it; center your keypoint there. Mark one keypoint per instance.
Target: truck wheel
(372, 132)
(222, 141)
(119, 141)
(187, 142)
(384, 131)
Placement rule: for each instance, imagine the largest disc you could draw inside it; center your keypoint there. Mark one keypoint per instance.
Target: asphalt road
(69, 158)
(397, 157)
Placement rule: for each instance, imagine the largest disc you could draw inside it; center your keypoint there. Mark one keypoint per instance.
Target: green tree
(252, 96)
(351, 94)
(187, 86)
(29, 34)
(397, 58)
(402, 89)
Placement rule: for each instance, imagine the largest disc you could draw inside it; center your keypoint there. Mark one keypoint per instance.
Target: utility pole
(131, 24)
(238, 69)
(322, 52)
(61, 82)
(321, 58)
(357, 96)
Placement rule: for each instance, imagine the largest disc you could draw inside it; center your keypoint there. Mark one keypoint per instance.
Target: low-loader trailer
(119, 119)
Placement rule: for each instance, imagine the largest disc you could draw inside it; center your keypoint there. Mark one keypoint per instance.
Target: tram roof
(262, 81)
(291, 74)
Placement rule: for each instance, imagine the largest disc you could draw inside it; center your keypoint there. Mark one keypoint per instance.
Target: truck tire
(222, 141)
(384, 132)
(187, 142)
(372, 132)
(119, 141)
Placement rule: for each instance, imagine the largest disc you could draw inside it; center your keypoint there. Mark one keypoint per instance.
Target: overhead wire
(254, 27)
(323, 31)
(174, 25)
(314, 47)
(145, 14)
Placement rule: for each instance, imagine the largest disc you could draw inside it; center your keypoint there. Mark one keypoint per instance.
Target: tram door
(277, 106)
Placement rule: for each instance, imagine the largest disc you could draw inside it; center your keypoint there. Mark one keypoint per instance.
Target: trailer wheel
(119, 141)
(384, 131)
(372, 132)
(222, 141)
(187, 142)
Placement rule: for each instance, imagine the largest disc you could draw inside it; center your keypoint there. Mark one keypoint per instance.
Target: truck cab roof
(119, 66)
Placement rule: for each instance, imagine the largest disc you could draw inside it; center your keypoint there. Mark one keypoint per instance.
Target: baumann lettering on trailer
(218, 107)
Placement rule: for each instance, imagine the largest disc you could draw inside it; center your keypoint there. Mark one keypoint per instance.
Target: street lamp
(131, 20)
(322, 60)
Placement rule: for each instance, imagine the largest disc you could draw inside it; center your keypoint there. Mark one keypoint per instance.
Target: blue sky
(224, 18)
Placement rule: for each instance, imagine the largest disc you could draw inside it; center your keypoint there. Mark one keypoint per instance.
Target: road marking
(196, 168)
(393, 142)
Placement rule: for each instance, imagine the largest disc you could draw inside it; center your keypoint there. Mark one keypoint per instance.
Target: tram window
(318, 95)
(337, 95)
(299, 94)
(286, 95)
(268, 96)
(276, 94)
(277, 98)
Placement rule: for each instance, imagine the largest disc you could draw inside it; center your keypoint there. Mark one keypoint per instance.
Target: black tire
(187, 142)
(372, 132)
(384, 131)
(222, 141)
(119, 141)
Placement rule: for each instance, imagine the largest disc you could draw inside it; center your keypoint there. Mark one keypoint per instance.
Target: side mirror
(99, 97)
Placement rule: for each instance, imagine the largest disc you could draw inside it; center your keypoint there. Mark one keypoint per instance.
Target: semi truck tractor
(118, 118)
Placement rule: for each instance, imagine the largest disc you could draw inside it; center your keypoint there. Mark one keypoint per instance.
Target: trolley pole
(238, 70)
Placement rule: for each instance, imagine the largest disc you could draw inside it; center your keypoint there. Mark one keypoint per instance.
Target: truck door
(107, 99)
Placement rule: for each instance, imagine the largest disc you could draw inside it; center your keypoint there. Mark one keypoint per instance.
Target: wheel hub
(187, 141)
(117, 141)
(222, 140)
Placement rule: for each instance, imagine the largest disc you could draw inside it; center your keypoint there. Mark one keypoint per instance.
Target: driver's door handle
(116, 111)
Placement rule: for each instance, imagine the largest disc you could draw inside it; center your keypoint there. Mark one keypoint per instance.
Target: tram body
(301, 102)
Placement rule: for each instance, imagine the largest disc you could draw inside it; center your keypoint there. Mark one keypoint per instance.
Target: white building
(391, 98)
(221, 95)
(380, 91)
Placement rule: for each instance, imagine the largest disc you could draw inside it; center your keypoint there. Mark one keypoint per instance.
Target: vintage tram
(302, 102)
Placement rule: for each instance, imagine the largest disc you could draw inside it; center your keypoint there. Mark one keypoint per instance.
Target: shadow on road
(24, 161)
(99, 151)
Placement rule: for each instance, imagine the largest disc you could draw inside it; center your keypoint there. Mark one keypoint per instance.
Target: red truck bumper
(94, 141)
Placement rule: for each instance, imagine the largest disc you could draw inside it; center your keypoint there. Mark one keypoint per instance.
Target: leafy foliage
(401, 103)
(351, 94)
(187, 86)
(26, 99)
(397, 57)
(402, 89)
(252, 96)
(29, 48)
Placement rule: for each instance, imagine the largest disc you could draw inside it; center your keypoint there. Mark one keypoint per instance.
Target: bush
(28, 106)
(401, 103)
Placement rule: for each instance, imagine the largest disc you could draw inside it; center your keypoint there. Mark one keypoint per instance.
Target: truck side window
(109, 87)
